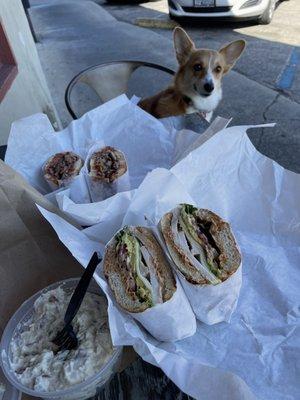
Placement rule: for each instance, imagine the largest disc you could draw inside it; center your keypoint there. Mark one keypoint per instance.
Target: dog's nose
(209, 87)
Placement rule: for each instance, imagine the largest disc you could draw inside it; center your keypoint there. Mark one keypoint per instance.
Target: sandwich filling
(138, 266)
(107, 164)
(193, 235)
(62, 166)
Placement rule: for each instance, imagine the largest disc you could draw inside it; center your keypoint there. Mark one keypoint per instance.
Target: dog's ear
(231, 52)
(183, 45)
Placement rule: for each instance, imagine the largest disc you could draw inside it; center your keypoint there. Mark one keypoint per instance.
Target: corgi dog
(197, 85)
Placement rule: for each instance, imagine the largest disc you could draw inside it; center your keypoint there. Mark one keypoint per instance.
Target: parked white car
(262, 10)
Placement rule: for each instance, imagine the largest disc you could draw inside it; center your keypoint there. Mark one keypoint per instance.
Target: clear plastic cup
(88, 388)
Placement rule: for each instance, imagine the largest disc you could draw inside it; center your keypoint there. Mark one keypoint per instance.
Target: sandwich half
(107, 165)
(61, 167)
(137, 270)
(201, 244)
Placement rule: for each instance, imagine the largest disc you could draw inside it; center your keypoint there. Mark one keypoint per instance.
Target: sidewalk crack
(268, 106)
(264, 114)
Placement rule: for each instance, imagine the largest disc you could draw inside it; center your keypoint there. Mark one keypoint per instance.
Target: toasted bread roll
(137, 270)
(201, 244)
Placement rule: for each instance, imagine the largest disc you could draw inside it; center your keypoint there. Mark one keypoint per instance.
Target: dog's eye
(198, 67)
(218, 68)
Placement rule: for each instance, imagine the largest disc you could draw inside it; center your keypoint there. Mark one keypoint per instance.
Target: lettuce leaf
(144, 290)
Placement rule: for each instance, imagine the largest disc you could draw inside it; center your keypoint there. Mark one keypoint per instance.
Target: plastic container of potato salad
(19, 335)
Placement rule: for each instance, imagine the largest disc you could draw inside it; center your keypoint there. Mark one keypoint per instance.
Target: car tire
(173, 17)
(267, 16)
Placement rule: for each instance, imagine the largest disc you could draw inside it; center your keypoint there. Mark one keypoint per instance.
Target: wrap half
(207, 260)
(107, 172)
(144, 285)
(61, 168)
(107, 164)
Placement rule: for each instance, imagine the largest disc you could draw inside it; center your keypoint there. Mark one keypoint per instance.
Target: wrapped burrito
(107, 172)
(144, 285)
(61, 168)
(207, 259)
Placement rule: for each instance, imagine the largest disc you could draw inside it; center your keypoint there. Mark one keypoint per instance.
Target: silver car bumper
(226, 9)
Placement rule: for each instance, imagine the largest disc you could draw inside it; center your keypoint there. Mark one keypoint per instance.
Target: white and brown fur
(197, 85)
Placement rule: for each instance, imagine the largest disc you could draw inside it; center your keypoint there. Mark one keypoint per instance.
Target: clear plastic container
(81, 391)
(10, 392)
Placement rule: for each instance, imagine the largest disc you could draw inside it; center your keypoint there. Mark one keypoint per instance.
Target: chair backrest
(108, 80)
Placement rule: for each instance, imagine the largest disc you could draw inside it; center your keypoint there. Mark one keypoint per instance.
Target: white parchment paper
(144, 140)
(256, 355)
(93, 213)
(170, 321)
(214, 303)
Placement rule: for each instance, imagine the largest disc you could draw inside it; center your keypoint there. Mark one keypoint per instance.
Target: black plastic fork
(66, 339)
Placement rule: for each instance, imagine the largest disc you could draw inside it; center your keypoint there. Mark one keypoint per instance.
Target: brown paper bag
(31, 255)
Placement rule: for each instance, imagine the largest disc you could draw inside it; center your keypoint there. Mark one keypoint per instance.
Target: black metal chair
(2, 152)
(108, 80)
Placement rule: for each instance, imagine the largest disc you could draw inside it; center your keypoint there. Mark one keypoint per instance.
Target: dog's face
(200, 70)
